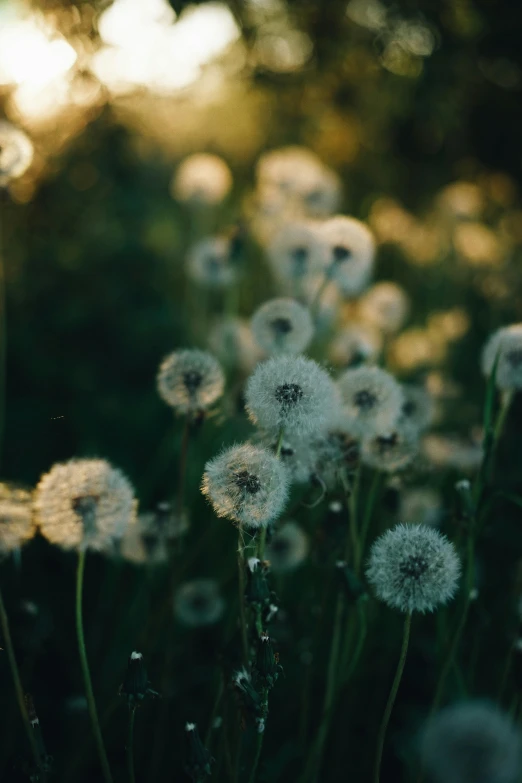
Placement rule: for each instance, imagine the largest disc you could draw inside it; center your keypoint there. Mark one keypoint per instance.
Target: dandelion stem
(241, 581)
(183, 465)
(130, 741)
(391, 698)
(316, 303)
(367, 518)
(6, 632)
(3, 323)
(361, 638)
(85, 670)
(260, 737)
(262, 533)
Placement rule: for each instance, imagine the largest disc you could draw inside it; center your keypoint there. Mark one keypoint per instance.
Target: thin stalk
(260, 737)
(367, 518)
(217, 702)
(86, 673)
(130, 741)
(15, 674)
(391, 698)
(241, 582)
(183, 465)
(352, 497)
(316, 303)
(3, 323)
(361, 638)
(261, 541)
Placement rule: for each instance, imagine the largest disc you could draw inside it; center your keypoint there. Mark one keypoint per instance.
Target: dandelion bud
(246, 484)
(287, 548)
(267, 666)
(136, 683)
(413, 568)
(372, 399)
(203, 179)
(16, 153)
(257, 591)
(250, 698)
(199, 758)
(84, 503)
(282, 326)
(472, 742)
(505, 343)
(290, 393)
(385, 306)
(198, 603)
(190, 380)
(351, 250)
(392, 451)
(209, 263)
(16, 519)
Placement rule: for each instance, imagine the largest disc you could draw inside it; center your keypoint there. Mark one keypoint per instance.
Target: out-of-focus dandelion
(209, 263)
(350, 253)
(478, 245)
(231, 340)
(287, 548)
(296, 252)
(384, 306)
(202, 179)
(420, 505)
(199, 759)
(472, 742)
(16, 153)
(506, 343)
(282, 326)
(246, 484)
(198, 603)
(391, 451)
(418, 409)
(461, 200)
(452, 451)
(290, 393)
(190, 381)
(16, 518)
(372, 399)
(84, 504)
(355, 344)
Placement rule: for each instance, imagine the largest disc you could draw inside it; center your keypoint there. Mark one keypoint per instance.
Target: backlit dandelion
(190, 380)
(372, 398)
(350, 256)
(84, 504)
(282, 326)
(413, 568)
(209, 263)
(385, 306)
(198, 603)
(246, 484)
(291, 393)
(16, 518)
(507, 344)
(202, 179)
(295, 252)
(16, 153)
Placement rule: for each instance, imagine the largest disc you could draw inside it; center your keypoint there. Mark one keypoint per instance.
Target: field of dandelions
(300, 560)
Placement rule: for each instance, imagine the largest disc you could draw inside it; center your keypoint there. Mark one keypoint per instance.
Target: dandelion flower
(372, 398)
(209, 263)
(198, 603)
(202, 179)
(190, 380)
(231, 340)
(355, 344)
(16, 153)
(296, 252)
(385, 306)
(16, 519)
(472, 742)
(507, 344)
(287, 548)
(84, 504)
(351, 250)
(413, 568)
(390, 451)
(418, 409)
(282, 326)
(247, 484)
(291, 393)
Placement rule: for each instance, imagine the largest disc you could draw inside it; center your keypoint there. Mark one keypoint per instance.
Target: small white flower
(282, 326)
(202, 179)
(190, 380)
(507, 344)
(351, 250)
(372, 399)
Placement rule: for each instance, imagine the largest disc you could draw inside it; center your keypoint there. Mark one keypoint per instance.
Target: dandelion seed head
(418, 409)
(413, 568)
(198, 603)
(287, 548)
(231, 340)
(16, 153)
(202, 179)
(290, 392)
(246, 484)
(296, 252)
(351, 250)
(355, 344)
(84, 504)
(472, 742)
(391, 451)
(385, 306)
(371, 398)
(209, 263)
(16, 518)
(282, 326)
(190, 380)
(507, 344)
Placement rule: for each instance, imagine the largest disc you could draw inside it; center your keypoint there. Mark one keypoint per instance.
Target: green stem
(391, 698)
(363, 628)
(260, 737)
(183, 466)
(316, 302)
(6, 632)
(86, 673)
(367, 518)
(241, 582)
(261, 541)
(352, 497)
(130, 741)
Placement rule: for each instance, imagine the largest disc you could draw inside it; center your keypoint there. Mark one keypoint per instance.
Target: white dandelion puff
(296, 252)
(190, 380)
(16, 153)
(350, 256)
(291, 393)
(209, 263)
(355, 344)
(413, 568)
(246, 484)
(202, 179)
(282, 326)
(372, 398)
(385, 306)
(16, 518)
(507, 344)
(391, 451)
(84, 504)
(287, 549)
(231, 340)
(198, 603)
(418, 409)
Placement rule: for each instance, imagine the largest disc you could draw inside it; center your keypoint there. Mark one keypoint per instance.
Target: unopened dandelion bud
(199, 759)
(467, 504)
(190, 381)
(250, 698)
(267, 665)
(352, 586)
(136, 686)
(282, 326)
(257, 591)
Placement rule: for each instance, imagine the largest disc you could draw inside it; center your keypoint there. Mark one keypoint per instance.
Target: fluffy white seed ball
(190, 380)
(209, 263)
(507, 343)
(282, 326)
(372, 398)
(351, 251)
(16, 518)
(287, 548)
(202, 179)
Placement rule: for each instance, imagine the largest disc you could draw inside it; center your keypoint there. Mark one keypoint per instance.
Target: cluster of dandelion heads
(296, 252)
(282, 326)
(472, 742)
(350, 253)
(209, 263)
(418, 408)
(505, 343)
(84, 504)
(372, 398)
(202, 179)
(355, 344)
(384, 306)
(413, 568)
(16, 518)
(287, 548)
(291, 393)
(246, 484)
(190, 380)
(390, 451)
(16, 153)
(198, 603)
